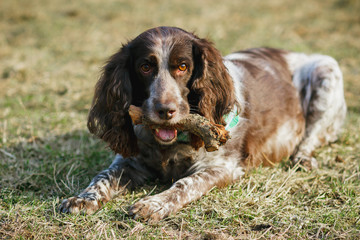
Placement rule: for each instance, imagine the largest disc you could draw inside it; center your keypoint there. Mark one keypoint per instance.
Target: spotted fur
(288, 104)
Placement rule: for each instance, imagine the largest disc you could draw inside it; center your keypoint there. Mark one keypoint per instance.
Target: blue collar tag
(232, 119)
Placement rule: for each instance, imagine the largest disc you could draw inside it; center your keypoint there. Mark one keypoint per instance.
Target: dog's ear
(211, 85)
(108, 116)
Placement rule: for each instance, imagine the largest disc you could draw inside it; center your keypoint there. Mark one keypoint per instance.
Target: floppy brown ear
(211, 82)
(108, 116)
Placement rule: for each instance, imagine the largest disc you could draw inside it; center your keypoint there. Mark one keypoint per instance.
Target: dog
(276, 104)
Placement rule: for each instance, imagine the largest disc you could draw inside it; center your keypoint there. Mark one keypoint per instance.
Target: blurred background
(51, 54)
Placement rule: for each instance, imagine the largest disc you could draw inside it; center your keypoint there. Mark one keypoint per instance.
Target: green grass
(51, 53)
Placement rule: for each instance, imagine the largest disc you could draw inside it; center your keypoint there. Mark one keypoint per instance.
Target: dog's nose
(165, 111)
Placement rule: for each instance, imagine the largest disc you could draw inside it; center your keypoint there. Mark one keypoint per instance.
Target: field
(51, 53)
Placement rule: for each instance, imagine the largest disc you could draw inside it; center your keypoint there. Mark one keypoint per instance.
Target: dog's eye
(182, 67)
(145, 68)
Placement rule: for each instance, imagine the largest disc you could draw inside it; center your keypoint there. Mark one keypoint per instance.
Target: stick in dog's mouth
(213, 135)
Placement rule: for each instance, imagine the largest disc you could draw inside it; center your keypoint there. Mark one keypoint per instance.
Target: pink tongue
(165, 134)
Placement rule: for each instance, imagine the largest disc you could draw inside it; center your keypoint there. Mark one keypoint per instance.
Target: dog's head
(169, 73)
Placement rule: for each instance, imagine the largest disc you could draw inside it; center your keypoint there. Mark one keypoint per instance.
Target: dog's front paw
(152, 209)
(308, 162)
(79, 205)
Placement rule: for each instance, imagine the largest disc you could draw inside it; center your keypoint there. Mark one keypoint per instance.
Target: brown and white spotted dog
(285, 104)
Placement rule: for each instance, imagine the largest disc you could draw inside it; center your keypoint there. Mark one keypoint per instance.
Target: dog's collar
(183, 137)
(231, 119)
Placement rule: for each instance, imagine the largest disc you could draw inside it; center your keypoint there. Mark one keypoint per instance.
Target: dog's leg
(182, 192)
(320, 84)
(122, 174)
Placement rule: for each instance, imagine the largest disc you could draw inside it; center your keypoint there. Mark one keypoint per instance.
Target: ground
(51, 53)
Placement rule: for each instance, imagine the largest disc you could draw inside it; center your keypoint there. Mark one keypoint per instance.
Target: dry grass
(50, 56)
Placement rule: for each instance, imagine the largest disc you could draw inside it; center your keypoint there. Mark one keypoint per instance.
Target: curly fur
(288, 104)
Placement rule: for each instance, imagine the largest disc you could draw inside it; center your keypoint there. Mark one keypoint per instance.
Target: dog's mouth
(165, 135)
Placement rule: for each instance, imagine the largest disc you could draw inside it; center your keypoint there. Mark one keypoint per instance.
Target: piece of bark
(213, 135)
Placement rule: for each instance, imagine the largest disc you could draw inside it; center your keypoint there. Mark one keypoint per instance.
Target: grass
(50, 56)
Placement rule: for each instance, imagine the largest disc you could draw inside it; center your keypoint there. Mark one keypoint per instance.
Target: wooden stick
(213, 135)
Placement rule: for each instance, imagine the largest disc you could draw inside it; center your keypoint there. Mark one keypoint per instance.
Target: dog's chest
(170, 164)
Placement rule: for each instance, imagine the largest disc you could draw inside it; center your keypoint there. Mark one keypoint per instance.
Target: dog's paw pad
(309, 163)
(79, 205)
(151, 209)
